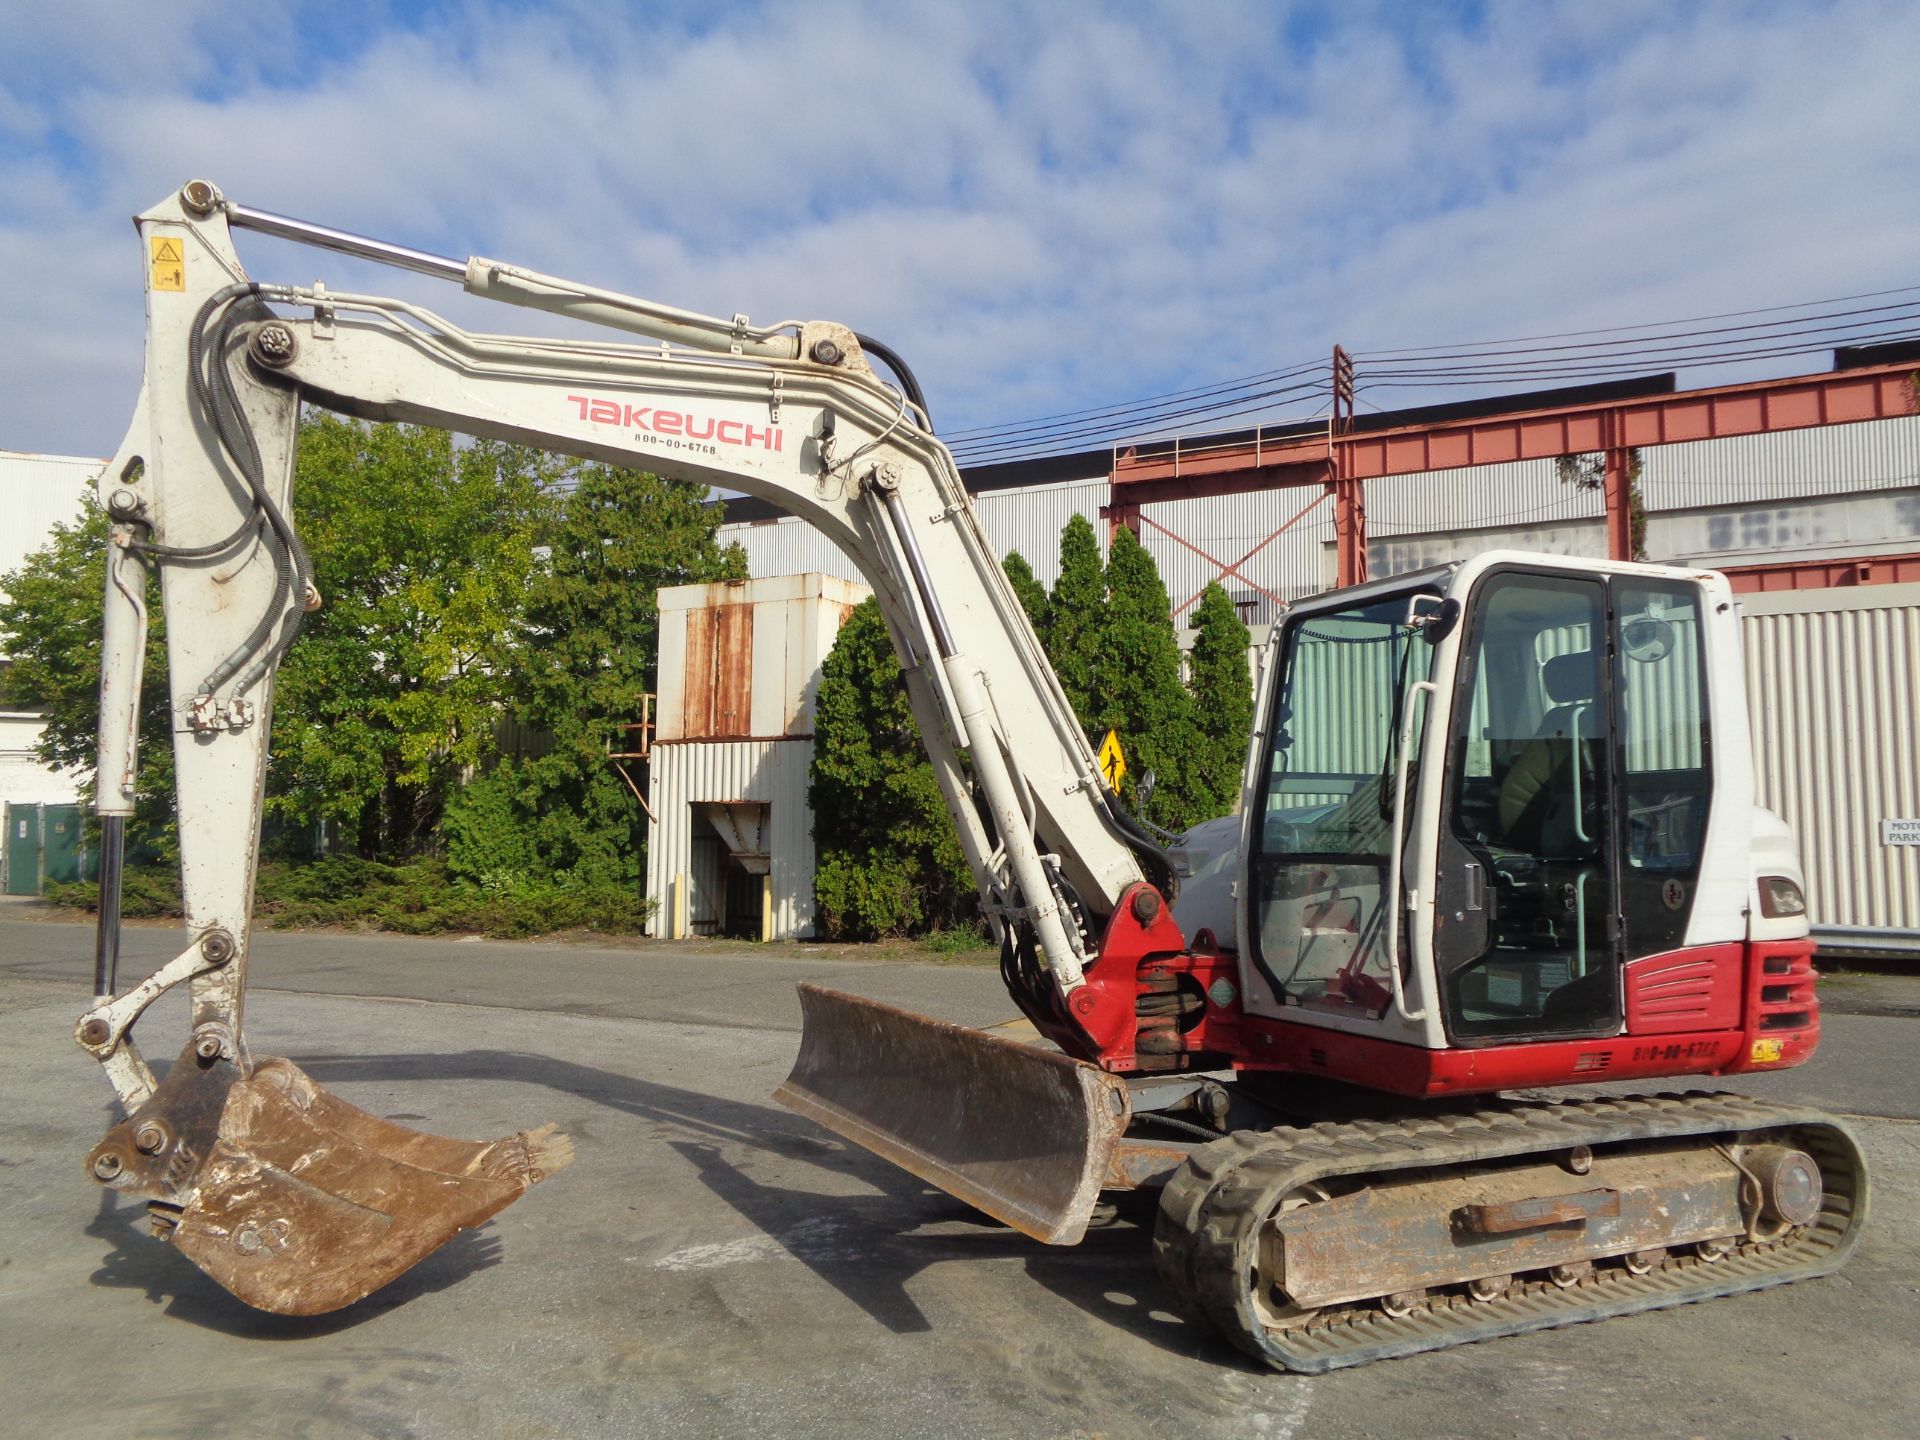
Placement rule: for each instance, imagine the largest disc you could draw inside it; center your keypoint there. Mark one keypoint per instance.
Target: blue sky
(1044, 207)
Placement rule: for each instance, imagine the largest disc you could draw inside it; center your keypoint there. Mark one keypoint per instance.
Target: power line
(1645, 325)
(1138, 426)
(1693, 343)
(1129, 406)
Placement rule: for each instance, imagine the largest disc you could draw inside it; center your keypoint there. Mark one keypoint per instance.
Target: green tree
(1140, 694)
(888, 860)
(1589, 472)
(393, 692)
(1222, 687)
(50, 632)
(1075, 615)
(1033, 595)
(589, 642)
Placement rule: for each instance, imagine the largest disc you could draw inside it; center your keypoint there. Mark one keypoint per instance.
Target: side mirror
(1433, 617)
(1143, 788)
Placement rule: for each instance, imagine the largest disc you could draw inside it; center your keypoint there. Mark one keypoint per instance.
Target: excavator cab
(1499, 776)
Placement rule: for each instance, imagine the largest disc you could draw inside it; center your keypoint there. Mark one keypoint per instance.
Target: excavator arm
(290, 1197)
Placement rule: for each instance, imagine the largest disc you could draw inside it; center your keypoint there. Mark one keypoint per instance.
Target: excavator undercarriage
(1344, 1243)
(1315, 1246)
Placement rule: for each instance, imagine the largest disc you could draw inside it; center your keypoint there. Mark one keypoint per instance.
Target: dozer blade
(303, 1203)
(1025, 1135)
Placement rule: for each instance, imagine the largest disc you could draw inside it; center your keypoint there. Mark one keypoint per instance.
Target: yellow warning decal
(169, 263)
(1765, 1052)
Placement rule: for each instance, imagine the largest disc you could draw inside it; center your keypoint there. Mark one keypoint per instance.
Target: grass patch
(415, 898)
(962, 941)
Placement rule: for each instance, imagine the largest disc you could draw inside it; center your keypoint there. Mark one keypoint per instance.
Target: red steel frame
(1343, 459)
(1823, 574)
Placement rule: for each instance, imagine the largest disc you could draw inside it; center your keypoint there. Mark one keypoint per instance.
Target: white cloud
(1043, 209)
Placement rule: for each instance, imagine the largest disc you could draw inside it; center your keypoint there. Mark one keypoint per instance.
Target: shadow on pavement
(867, 1246)
(870, 1247)
(136, 1261)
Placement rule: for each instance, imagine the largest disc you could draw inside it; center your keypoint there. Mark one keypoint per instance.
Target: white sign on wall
(1900, 832)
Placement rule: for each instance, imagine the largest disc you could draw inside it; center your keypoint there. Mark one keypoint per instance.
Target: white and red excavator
(1497, 833)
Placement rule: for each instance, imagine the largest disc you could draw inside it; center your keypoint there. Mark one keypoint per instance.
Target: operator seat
(1544, 814)
(1537, 810)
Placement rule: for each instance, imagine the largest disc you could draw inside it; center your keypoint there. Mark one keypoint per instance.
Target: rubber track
(1206, 1239)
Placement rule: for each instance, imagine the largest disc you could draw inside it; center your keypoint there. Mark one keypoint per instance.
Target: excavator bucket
(301, 1203)
(1024, 1134)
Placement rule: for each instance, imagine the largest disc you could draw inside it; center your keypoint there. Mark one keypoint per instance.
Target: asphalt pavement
(713, 1265)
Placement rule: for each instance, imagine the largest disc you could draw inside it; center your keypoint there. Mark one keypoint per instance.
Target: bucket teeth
(304, 1204)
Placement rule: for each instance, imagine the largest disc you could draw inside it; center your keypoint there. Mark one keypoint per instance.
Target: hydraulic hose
(1150, 853)
(908, 382)
(213, 388)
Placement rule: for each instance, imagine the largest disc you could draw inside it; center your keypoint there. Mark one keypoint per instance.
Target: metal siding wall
(1229, 526)
(1522, 493)
(789, 546)
(1343, 696)
(769, 702)
(1663, 703)
(1863, 523)
(670, 678)
(23, 779)
(1027, 520)
(792, 838)
(1831, 680)
(778, 712)
(1030, 521)
(667, 836)
(1789, 464)
(1416, 521)
(768, 772)
(1397, 554)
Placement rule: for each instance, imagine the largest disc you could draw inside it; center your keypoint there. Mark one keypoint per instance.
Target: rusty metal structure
(730, 850)
(1342, 458)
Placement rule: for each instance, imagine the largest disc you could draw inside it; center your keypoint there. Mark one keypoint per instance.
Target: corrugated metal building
(1833, 681)
(731, 846)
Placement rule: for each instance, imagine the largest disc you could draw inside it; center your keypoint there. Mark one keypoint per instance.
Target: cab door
(1526, 920)
(1578, 788)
